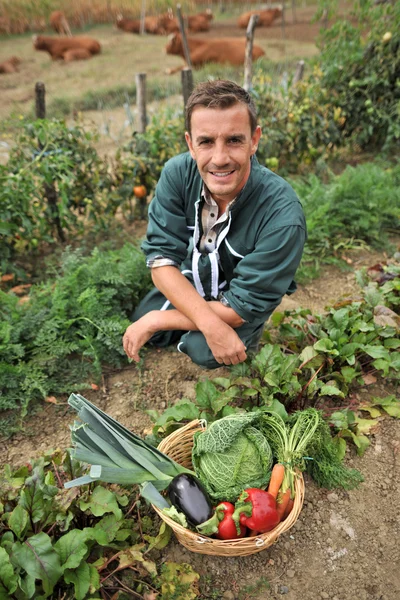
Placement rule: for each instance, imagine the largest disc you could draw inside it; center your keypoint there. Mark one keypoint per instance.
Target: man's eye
(205, 142)
(235, 141)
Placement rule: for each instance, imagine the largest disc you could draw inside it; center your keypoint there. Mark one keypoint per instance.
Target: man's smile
(221, 174)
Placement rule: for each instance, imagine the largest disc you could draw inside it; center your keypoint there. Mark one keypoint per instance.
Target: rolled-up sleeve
(167, 232)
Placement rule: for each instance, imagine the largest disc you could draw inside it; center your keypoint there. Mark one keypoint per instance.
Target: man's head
(219, 94)
(222, 136)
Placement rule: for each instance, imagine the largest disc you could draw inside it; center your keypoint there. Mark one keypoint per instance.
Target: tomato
(139, 191)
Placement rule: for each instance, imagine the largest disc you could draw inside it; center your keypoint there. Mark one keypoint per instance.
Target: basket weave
(178, 446)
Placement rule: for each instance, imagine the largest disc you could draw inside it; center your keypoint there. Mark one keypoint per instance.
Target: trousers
(193, 343)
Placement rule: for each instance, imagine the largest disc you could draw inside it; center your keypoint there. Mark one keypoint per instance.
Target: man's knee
(195, 346)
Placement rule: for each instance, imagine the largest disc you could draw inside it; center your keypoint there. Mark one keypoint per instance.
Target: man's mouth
(221, 174)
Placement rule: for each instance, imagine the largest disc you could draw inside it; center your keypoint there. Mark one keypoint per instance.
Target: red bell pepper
(222, 524)
(256, 509)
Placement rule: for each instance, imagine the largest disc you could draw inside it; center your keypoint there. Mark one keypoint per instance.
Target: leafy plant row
(70, 543)
(313, 360)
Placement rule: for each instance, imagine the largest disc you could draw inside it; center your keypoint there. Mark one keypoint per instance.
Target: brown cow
(195, 23)
(266, 17)
(56, 47)
(219, 50)
(76, 54)
(10, 65)
(153, 25)
(59, 23)
(128, 25)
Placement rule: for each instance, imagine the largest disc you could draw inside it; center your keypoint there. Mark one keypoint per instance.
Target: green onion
(116, 454)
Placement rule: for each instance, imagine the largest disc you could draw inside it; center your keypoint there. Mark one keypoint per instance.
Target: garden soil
(344, 546)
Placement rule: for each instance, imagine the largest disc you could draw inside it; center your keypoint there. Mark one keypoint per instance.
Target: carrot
(288, 509)
(277, 475)
(282, 503)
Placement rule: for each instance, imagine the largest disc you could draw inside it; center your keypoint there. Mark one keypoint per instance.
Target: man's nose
(220, 154)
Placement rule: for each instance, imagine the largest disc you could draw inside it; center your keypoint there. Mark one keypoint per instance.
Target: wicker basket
(178, 446)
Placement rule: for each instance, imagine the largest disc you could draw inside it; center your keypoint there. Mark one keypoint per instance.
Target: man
(224, 239)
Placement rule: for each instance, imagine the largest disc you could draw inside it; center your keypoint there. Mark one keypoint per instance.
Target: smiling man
(224, 239)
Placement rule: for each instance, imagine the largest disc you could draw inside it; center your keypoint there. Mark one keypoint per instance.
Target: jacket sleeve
(167, 232)
(265, 275)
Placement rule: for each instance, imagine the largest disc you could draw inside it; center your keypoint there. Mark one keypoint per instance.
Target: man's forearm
(192, 311)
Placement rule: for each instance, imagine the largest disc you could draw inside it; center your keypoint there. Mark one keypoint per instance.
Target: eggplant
(190, 497)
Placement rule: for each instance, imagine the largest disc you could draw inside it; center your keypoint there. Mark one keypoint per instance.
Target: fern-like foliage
(71, 326)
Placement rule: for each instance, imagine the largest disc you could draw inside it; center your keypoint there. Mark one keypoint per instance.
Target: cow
(57, 47)
(154, 25)
(128, 25)
(10, 65)
(5, 25)
(219, 50)
(265, 19)
(198, 22)
(59, 23)
(195, 23)
(76, 54)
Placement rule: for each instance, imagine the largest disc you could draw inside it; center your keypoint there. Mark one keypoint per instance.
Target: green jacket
(260, 247)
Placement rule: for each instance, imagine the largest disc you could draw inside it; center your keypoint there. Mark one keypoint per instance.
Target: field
(344, 545)
(124, 55)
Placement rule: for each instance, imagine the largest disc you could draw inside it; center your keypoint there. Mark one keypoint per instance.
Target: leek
(117, 455)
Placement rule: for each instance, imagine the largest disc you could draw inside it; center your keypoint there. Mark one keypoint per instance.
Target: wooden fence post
(40, 100)
(294, 17)
(141, 101)
(248, 56)
(142, 29)
(183, 34)
(187, 83)
(50, 191)
(299, 72)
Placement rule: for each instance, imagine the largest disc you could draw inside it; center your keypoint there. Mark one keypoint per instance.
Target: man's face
(221, 143)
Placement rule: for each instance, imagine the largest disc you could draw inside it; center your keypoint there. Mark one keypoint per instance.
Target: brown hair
(219, 94)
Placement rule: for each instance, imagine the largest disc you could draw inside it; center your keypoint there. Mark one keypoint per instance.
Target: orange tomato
(139, 191)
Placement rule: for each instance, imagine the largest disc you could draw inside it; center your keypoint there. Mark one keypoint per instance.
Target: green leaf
(71, 548)
(349, 374)
(104, 531)
(162, 539)
(80, 578)
(376, 351)
(18, 521)
(339, 419)
(364, 426)
(340, 444)
(389, 404)
(28, 586)
(278, 408)
(224, 382)
(326, 345)
(183, 410)
(100, 502)
(330, 390)
(39, 559)
(206, 392)
(223, 399)
(391, 343)
(8, 579)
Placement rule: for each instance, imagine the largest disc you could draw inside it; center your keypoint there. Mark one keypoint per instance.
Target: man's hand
(225, 344)
(138, 334)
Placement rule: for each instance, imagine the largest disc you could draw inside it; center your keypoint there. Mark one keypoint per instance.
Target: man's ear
(255, 138)
(190, 145)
